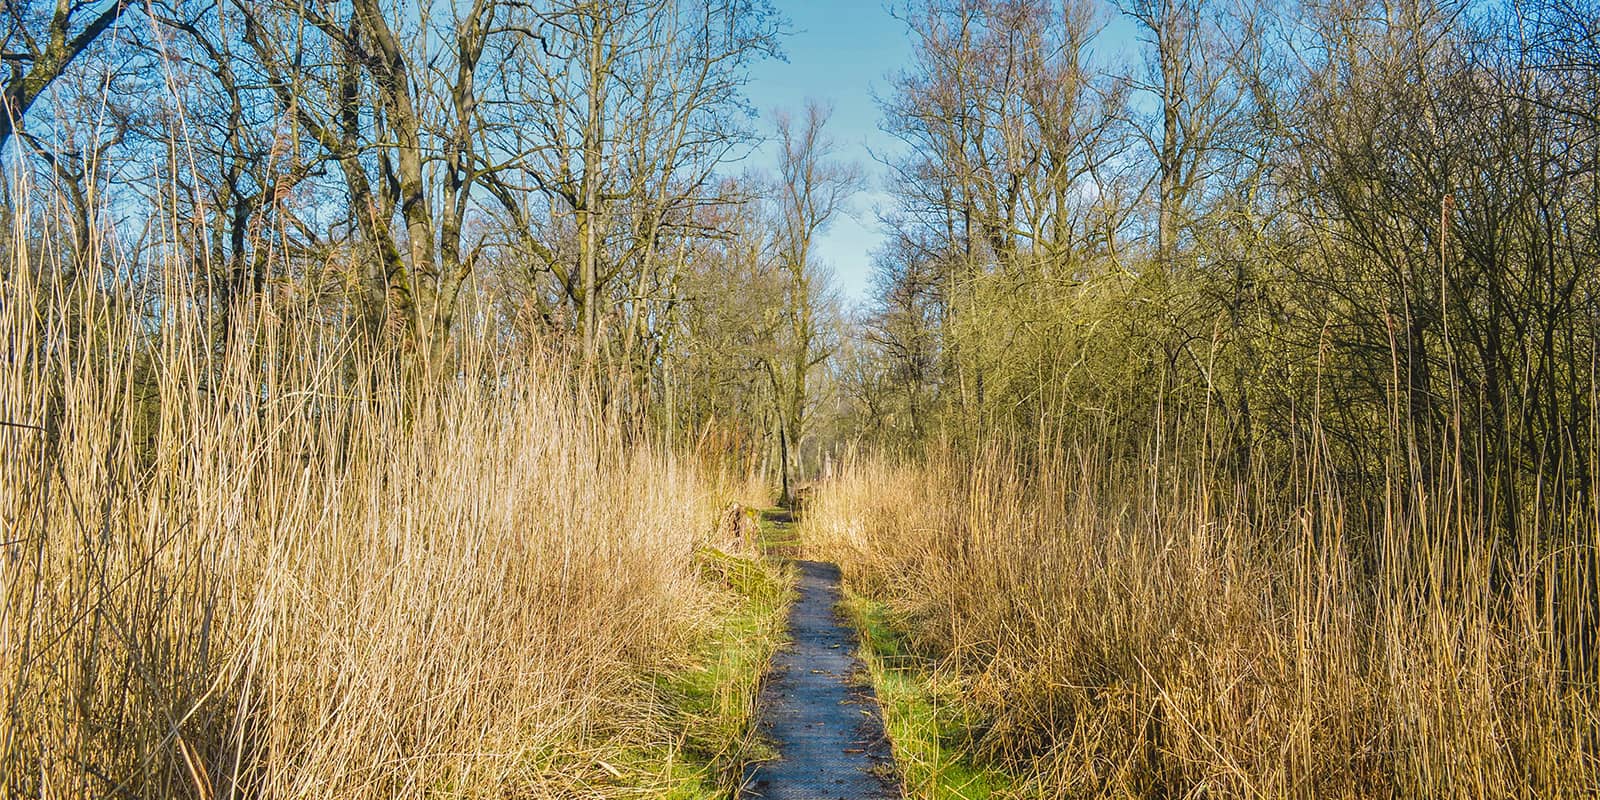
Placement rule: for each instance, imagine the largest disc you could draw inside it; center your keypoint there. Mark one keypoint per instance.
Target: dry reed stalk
(285, 566)
(1117, 635)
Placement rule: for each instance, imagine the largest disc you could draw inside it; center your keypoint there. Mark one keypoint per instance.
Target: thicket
(1244, 397)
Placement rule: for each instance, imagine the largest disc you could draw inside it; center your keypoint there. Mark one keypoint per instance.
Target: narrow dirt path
(818, 708)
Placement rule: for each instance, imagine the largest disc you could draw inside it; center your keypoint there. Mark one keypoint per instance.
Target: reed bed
(281, 563)
(1126, 629)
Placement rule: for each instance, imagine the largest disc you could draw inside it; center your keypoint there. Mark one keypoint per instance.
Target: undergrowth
(1108, 634)
(930, 733)
(712, 697)
(248, 552)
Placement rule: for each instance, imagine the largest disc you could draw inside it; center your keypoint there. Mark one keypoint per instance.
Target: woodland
(387, 388)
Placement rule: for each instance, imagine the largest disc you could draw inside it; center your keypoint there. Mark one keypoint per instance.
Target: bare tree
(1013, 143)
(403, 111)
(1195, 47)
(631, 106)
(38, 44)
(812, 189)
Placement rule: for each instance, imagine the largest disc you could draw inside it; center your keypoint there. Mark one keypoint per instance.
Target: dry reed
(282, 566)
(1121, 630)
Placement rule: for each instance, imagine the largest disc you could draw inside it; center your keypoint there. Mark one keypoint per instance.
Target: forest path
(818, 709)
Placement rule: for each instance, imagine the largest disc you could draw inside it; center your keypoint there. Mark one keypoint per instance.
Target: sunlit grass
(713, 696)
(924, 720)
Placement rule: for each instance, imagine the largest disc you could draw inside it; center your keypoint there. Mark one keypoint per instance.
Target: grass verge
(712, 698)
(925, 726)
(777, 533)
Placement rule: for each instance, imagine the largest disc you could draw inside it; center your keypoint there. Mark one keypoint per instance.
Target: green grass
(712, 699)
(779, 533)
(925, 727)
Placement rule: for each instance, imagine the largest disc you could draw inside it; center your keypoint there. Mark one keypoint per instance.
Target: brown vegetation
(299, 568)
(1121, 632)
(1235, 410)
(373, 375)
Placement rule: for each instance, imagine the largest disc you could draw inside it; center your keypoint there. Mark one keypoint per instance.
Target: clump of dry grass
(286, 567)
(1121, 631)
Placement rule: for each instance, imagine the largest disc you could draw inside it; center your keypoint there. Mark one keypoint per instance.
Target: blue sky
(841, 52)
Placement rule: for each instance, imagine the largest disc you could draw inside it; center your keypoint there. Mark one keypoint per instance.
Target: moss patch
(925, 726)
(711, 700)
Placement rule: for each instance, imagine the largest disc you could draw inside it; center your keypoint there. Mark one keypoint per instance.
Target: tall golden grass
(1118, 629)
(287, 567)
